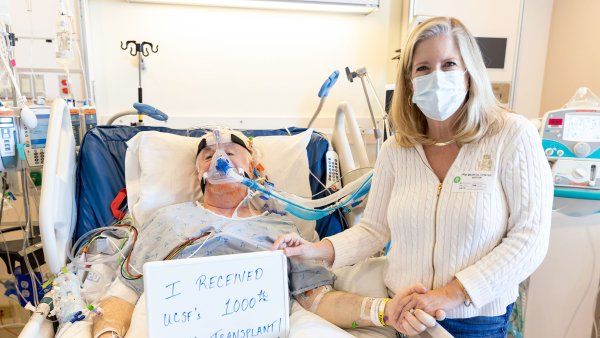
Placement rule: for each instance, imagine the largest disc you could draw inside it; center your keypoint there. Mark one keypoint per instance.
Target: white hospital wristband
(375, 311)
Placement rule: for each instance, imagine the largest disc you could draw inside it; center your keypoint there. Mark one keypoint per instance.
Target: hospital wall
(228, 64)
(525, 58)
(573, 51)
(34, 24)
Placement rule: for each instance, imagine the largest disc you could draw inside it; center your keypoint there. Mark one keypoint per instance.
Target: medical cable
(201, 245)
(35, 195)
(125, 264)
(25, 229)
(6, 251)
(4, 56)
(339, 211)
(293, 204)
(98, 234)
(325, 188)
(171, 255)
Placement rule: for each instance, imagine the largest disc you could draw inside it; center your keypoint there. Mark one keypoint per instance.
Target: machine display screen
(6, 122)
(582, 127)
(38, 135)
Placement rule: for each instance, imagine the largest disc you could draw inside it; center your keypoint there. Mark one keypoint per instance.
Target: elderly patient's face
(229, 194)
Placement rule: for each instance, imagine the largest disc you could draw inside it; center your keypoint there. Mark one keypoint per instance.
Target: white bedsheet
(303, 324)
(365, 278)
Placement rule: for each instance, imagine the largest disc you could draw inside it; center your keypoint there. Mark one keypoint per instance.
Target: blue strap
(328, 84)
(147, 109)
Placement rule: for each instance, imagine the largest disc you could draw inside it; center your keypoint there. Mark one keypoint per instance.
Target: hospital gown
(173, 225)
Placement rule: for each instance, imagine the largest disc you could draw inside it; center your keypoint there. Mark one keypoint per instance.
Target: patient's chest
(174, 225)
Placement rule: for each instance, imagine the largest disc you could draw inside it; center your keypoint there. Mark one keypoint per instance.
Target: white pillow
(160, 171)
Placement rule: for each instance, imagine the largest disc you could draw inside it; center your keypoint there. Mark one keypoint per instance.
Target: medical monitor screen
(38, 135)
(582, 127)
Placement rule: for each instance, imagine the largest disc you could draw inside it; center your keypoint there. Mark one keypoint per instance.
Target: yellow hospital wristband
(381, 313)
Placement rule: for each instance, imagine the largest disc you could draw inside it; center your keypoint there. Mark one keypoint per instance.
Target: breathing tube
(348, 197)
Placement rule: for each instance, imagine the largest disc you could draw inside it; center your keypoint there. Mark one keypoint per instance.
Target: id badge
(473, 181)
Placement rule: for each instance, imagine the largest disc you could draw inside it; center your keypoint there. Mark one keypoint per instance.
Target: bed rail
(57, 200)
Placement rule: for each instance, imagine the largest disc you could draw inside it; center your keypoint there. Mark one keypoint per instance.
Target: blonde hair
(479, 116)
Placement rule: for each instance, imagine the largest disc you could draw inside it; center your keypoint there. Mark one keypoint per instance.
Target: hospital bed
(80, 198)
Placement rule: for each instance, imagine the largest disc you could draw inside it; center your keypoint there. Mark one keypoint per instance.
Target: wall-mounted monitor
(493, 51)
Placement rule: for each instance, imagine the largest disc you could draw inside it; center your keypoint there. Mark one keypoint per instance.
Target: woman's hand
(294, 246)
(445, 298)
(414, 322)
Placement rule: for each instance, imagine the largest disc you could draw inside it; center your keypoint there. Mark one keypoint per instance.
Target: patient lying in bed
(227, 223)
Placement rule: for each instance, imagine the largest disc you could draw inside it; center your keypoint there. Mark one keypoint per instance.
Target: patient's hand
(294, 246)
(116, 316)
(413, 322)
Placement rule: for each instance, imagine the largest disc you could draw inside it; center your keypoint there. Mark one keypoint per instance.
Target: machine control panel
(571, 133)
(76, 124)
(571, 141)
(8, 137)
(35, 139)
(89, 118)
(577, 173)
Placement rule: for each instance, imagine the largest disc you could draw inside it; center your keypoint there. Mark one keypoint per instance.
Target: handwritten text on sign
(241, 296)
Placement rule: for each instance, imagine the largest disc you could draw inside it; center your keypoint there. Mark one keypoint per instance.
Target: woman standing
(463, 192)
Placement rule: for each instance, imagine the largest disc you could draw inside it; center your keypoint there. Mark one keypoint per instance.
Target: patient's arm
(116, 317)
(338, 307)
(348, 310)
(116, 309)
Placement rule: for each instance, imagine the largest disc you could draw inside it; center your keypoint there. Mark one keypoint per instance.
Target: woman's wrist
(326, 251)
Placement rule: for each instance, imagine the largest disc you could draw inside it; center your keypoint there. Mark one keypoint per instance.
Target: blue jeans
(488, 327)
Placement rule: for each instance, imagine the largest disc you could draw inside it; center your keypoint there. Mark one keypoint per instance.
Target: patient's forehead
(228, 147)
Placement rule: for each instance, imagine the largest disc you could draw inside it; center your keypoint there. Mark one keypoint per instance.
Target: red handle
(115, 205)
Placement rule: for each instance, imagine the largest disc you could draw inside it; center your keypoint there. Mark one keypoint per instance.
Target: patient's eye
(208, 157)
(230, 154)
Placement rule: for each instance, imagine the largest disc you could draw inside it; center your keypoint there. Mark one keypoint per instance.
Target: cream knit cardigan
(490, 241)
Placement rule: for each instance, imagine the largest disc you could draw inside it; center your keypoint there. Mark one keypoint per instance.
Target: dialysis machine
(571, 138)
(562, 296)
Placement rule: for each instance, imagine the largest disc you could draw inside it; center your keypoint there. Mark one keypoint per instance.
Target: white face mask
(439, 94)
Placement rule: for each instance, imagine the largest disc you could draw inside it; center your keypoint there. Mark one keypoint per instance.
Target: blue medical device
(323, 93)
(328, 84)
(571, 141)
(146, 109)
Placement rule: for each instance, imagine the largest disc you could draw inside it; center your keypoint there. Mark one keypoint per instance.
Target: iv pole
(361, 73)
(139, 49)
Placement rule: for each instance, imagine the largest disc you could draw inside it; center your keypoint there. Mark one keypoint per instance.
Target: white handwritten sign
(242, 296)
